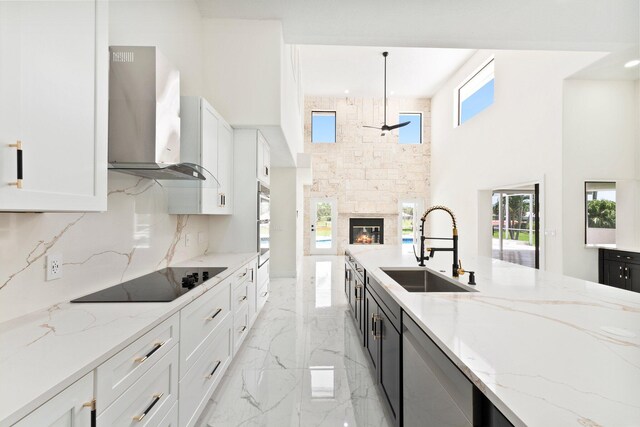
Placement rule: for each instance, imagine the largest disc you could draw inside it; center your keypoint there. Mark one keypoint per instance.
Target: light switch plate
(188, 239)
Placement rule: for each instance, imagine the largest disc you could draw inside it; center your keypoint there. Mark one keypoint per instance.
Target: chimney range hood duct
(144, 117)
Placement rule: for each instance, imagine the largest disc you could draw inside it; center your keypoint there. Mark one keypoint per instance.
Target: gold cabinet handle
(156, 399)
(264, 294)
(244, 298)
(155, 348)
(215, 368)
(90, 404)
(244, 328)
(18, 147)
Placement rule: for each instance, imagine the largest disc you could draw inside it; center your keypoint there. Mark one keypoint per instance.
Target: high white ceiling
(411, 72)
(599, 25)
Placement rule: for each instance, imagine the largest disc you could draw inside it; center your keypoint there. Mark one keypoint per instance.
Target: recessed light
(346, 91)
(633, 63)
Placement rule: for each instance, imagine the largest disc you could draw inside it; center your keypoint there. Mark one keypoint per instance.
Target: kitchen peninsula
(545, 349)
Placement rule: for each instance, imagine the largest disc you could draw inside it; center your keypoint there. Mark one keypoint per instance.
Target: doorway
(515, 225)
(323, 226)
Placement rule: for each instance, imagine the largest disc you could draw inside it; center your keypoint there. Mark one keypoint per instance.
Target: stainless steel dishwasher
(435, 392)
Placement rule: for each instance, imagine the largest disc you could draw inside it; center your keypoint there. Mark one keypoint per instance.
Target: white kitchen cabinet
(206, 140)
(53, 109)
(264, 160)
(72, 407)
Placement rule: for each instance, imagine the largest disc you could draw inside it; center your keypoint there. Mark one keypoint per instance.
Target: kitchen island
(545, 349)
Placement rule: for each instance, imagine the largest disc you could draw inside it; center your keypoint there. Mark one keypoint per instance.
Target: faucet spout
(422, 258)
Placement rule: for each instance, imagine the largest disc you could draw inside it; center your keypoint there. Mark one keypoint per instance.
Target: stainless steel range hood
(144, 116)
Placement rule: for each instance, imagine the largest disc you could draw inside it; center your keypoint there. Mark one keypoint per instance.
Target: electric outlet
(202, 237)
(188, 238)
(54, 266)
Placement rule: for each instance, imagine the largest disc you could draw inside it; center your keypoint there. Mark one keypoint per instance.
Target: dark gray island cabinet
(418, 383)
(620, 269)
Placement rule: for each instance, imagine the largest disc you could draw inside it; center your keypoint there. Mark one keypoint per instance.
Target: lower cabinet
(620, 269)
(70, 408)
(149, 399)
(198, 384)
(165, 377)
(383, 345)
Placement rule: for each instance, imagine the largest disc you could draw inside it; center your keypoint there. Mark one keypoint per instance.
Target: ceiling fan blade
(372, 127)
(399, 125)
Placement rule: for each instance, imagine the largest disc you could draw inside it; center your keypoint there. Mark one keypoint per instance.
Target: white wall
(292, 105)
(516, 140)
(174, 26)
(600, 142)
(283, 241)
(242, 61)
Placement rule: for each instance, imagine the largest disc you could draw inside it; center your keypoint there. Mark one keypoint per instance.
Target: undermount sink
(421, 280)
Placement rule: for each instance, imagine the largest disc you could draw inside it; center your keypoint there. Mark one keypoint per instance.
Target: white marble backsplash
(135, 236)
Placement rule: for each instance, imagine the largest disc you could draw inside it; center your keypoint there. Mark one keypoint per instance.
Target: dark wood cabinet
(620, 269)
(370, 337)
(633, 277)
(383, 345)
(390, 362)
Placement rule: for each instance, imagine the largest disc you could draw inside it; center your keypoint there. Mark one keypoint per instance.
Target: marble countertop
(546, 349)
(44, 352)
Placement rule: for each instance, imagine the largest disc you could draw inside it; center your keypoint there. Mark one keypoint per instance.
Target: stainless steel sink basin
(420, 280)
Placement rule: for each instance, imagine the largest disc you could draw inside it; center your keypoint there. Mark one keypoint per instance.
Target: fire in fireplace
(366, 231)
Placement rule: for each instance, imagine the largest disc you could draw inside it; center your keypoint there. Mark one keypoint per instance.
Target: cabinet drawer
(622, 256)
(198, 385)
(240, 295)
(149, 400)
(199, 319)
(171, 419)
(65, 408)
(263, 273)
(262, 296)
(240, 327)
(117, 374)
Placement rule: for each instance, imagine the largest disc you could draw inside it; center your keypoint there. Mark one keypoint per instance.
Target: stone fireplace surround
(367, 174)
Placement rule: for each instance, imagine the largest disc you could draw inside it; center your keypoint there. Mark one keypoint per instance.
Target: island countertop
(546, 349)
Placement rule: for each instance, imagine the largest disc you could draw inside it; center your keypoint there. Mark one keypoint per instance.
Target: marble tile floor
(302, 363)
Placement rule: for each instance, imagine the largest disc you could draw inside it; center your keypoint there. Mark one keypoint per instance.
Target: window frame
(456, 94)
(335, 126)
(586, 213)
(420, 113)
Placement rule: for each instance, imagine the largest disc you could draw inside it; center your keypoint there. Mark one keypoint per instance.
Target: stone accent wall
(368, 174)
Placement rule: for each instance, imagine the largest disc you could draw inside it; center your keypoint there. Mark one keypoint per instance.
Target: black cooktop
(161, 286)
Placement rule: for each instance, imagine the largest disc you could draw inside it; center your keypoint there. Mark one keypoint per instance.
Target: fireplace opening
(366, 231)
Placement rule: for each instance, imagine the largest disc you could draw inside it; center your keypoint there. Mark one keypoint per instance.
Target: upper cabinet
(206, 140)
(264, 160)
(53, 108)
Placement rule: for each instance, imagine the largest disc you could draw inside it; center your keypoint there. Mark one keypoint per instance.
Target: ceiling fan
(385, 128)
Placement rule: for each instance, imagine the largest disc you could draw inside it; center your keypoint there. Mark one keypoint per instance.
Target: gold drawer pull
(91, 404)
(215, 368)
(156, 399)
(213, 316)
(155, 348)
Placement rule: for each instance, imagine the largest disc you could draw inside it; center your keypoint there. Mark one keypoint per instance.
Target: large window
(411, 133)
(600, 213)
(475, 94)
(323, 126)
